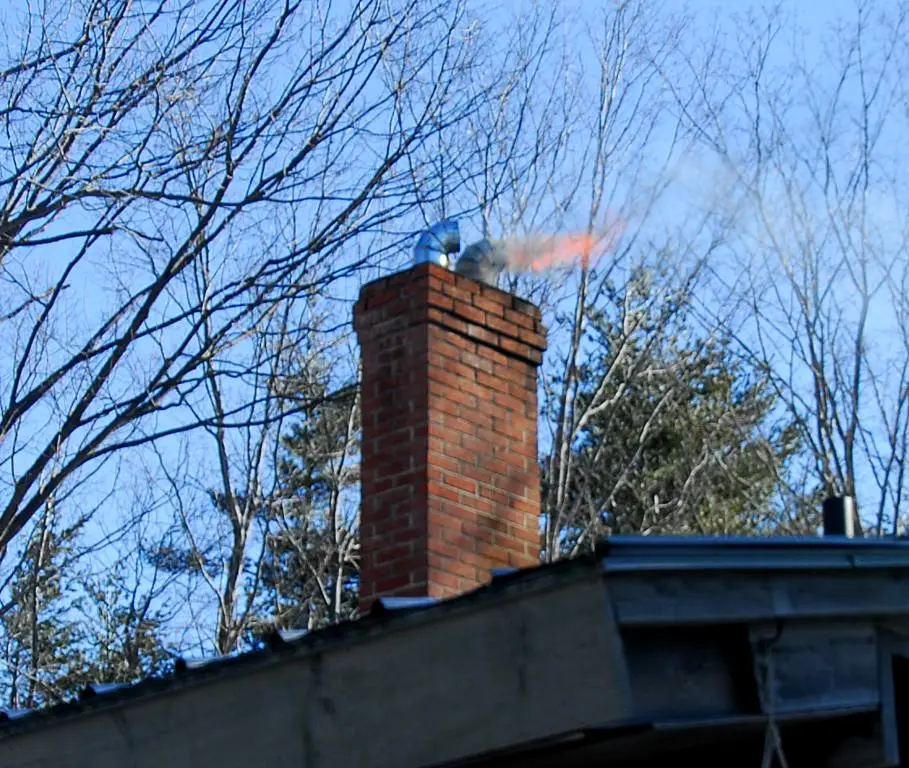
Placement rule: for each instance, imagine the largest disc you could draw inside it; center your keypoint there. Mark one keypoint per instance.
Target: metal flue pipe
(483, 262)
(438, 243)
(839, 517)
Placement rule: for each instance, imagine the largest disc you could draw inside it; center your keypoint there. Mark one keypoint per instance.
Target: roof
(645, 558)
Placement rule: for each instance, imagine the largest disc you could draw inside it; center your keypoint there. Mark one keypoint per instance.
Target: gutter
(640, 554)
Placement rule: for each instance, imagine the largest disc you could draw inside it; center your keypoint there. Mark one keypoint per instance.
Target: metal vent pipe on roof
(839, 516)
(436, 244)
(483, 262)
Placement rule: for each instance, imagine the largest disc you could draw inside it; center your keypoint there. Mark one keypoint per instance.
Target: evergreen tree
(39, 637)
(309, 576)
(123, 634)
(683, 437)
(62, 630)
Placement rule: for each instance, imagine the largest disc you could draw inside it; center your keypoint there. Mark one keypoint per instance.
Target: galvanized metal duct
(436, 244)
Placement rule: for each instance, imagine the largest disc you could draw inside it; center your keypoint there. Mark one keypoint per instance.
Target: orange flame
(537, 254)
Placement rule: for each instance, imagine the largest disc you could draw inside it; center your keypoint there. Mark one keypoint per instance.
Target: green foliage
(38, 636)
(123, 641)
(61, 631)
(679, 436)
(309, 574)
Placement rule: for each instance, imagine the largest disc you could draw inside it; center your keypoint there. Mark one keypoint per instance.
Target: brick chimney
(450, 480)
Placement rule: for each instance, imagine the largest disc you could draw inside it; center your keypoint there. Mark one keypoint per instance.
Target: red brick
(449, 465)
(455, 350)
(440, 301)
(497, 497)
(439, 376)
(528, 509)
(479, 415)
(476, 361)
(506, 329)
(452, 566)
(520, 319)
(512, 516)
(517, 348)
(521, 305)
(492, 382)
(507, 402)
(530, 400)
(441, 274)
(529, 534)
(439, 404)
(459, 540)
(447, 320)
(475, 445)
(443, 583)
(443, 523)
(393, 554)
(479, 531)
(511, 543)
(532, 338)
(494, 309)
(482, 334)
(457, 292)
(476, 473)
(516, 372)
(470, 313)
(461, 483)
(489, 410)
(495, 294)
(526, 449)
(437, 546)
(459, 369)
(480, 562)
(455, 425)
(479, 507)
(391, 585)
(462, 395)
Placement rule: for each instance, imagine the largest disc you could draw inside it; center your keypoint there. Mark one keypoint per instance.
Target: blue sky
(813, 14)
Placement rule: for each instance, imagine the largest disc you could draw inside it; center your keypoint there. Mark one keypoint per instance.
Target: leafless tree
(67, 625)
(513, 145)
(241, 508)
(124, 614)
(314, 543)
(139, 138)
(806, 164)
(602, 142)
(606, 152)
(219, 502)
